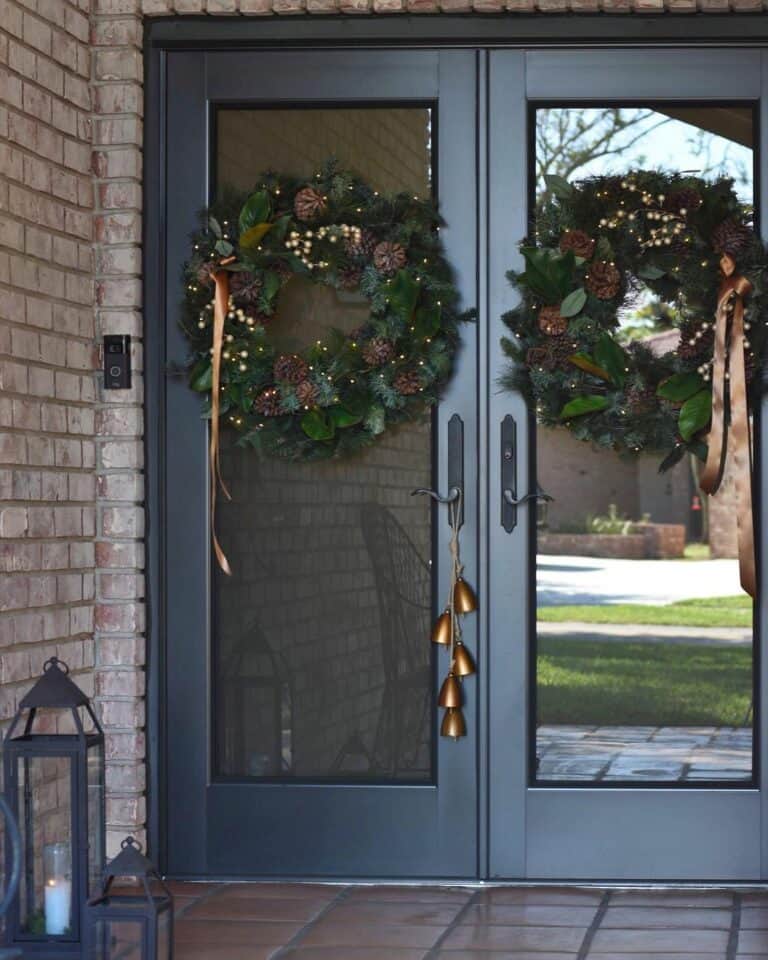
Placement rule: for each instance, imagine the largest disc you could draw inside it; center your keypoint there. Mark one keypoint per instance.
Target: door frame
(435, 32)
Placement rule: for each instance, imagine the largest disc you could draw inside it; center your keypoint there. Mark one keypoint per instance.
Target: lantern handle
(131, 842)
(55, 662)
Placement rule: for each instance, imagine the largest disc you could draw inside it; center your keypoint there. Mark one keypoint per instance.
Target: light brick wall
(71, 484)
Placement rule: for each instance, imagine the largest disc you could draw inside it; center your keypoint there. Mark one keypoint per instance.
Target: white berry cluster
(301, 243)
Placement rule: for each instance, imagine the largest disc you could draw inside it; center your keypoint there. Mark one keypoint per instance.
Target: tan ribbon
(729, 405)
(220, 309)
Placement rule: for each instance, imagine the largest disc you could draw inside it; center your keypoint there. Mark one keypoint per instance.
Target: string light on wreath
(692, 244)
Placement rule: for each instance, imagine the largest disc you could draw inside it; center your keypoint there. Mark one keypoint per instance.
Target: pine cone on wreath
(307, 393)
(361, 247)
(551, 322)
(308, 204)
(686, 199)
(730, 237)
(290, 368)
(641, 398)
(692, 347)
(349, 277)
(407, 383)
(579, 242)
(603, 280)
(268, 403)
(559, 352)
(245, 288)
(537, 357)
(205, 272)
(378, 351)
(389, 257)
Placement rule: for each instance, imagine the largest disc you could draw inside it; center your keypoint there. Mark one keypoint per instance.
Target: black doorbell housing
(117, 362)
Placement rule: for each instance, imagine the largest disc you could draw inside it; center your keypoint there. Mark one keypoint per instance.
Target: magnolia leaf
(674, 457)
(584, 362)
(253, 235)
(559, 186)
(202, 379)
(341, 417)
(403, 294)
(317, 426)
(272, 284)
(581, 405)
(680, 386)
(612, 358)
(256, 210)
(649, 271)
(224, 248)
(376, 420)
(695, 414)
(214, 226)
(427, 321)
(573, 303)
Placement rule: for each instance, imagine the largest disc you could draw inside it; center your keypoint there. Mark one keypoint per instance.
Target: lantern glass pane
(95, 775)
(45, 821)
(117, 940)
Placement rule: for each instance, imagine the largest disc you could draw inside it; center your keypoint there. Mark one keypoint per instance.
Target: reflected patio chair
(403, 582)
(255, 709)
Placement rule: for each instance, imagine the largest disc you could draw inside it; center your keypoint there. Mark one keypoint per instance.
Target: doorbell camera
(117, 362)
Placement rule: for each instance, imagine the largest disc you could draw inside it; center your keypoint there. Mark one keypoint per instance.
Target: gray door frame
(584, 833)
(354, 829)
(508, 810)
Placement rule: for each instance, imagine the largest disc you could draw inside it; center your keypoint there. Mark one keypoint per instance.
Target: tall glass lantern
(53, 776)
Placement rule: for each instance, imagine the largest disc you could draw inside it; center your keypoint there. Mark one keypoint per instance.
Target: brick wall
(71, 521)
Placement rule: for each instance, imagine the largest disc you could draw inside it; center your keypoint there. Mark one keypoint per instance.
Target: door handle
(455, 470)
(508, 483)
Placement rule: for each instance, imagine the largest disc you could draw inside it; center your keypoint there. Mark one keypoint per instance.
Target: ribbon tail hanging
(220, 308)
(729, 396)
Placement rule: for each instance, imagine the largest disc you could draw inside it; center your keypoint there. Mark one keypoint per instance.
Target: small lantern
(129, 924)
(54, 783)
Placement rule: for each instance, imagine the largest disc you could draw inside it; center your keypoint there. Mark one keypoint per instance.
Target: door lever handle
(453, 494)
(539, 495)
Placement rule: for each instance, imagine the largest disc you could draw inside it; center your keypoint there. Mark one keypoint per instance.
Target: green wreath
(599, 244)
(341, 392)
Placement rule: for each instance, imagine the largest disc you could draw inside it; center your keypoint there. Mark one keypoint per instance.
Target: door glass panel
(321, 659)
(644, 641)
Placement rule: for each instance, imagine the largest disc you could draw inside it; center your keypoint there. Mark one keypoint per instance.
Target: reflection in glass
(321, 668)
(644, 639)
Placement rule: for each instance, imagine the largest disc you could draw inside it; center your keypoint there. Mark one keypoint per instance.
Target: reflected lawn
(617, 683)
(704, 612)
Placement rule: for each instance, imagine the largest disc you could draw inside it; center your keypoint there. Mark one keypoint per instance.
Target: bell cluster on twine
(601, 244)
(447, 632)
(340, 392)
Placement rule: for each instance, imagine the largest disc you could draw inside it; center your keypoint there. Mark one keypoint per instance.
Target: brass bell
(453, 724)
(463, 664)
(450, 692)
(441, 632)
(464, 599)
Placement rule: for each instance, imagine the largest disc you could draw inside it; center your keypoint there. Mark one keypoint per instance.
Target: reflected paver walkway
(290, 921)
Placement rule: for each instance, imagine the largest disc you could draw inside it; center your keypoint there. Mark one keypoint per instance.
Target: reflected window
(644, 641)
(320, 663)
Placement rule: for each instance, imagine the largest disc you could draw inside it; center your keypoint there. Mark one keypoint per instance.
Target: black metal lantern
(53, 774)
(127, 924)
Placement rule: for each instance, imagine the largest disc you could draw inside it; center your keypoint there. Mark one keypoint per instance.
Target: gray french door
(596, 775)
(298, 697)
(301, 722)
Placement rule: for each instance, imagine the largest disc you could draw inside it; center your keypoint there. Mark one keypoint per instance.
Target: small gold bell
(453, 724)
(450, 692)
(463, 664)
(464, 599)
(441, 632)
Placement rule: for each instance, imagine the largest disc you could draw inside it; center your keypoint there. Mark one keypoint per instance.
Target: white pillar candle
(58, 901)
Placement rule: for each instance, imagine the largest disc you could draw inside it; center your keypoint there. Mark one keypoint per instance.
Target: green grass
(707, 612)
(611, 683)
(696, 551)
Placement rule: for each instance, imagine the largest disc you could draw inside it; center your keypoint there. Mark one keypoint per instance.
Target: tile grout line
(296, 939)
(733, 933)
(592, 929)
(433, 950)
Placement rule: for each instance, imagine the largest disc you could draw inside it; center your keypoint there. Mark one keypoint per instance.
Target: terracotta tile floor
(291, 921)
